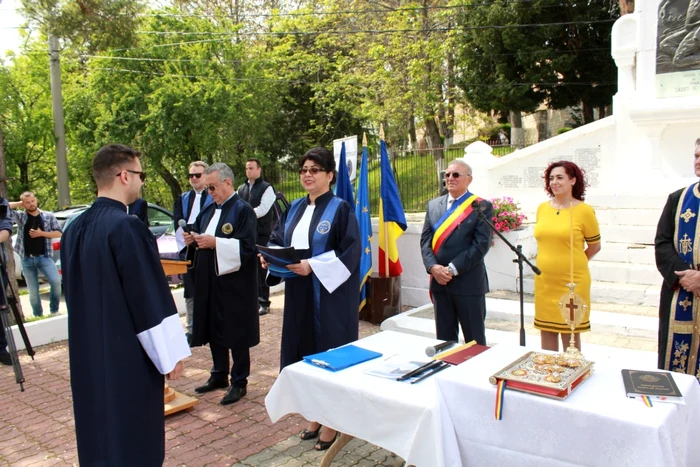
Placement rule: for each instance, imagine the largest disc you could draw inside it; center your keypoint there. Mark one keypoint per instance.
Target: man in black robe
(226, 287)
(123, 327)
(676, 249)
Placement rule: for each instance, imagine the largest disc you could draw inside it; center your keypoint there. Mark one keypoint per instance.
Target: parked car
(160, 221)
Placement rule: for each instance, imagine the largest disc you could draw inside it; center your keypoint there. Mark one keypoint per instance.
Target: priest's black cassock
(124, 335)
(677, 248)
(226, 281)
(322, 315)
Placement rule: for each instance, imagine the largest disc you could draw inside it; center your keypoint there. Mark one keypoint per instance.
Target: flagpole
(386, 224)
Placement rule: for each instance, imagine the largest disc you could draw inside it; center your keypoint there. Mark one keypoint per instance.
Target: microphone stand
(518, 250)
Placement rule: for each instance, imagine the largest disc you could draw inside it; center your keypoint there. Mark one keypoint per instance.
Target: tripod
(7, 326)
(520, 259)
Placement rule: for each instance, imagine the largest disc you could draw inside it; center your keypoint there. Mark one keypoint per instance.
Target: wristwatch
(452, 269)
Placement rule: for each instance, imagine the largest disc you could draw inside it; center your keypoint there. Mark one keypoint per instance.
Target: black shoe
(189, 338)
(263, 310)
(324, 445)
(5, 358)
(211, 385)
(233, 395)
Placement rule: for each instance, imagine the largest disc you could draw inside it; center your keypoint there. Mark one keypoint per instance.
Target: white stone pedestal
(502, 271)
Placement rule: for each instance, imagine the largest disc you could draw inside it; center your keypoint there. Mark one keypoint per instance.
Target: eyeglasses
(455, 175)
(314, 170)
(194, 175)
(142, 174)
(213, 187)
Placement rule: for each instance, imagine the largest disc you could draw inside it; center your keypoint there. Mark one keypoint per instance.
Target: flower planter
(502, 271)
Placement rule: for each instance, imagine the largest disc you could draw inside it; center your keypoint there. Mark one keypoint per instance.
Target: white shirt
(196, 206)
(266, 202)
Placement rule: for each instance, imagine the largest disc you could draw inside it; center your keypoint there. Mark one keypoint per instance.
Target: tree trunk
(517, 134)
(8, 243)
(587, 113)
(172, 182)
(432, 136)
(412, 131)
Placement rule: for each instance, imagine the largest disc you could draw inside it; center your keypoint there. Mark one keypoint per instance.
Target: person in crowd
(261, 196)
(187, 207)
(676, 250)
(124, 332)
(35, 231)
(321, 298)
(226, 284)
(139, 208)
(566, 185)
(453, 244)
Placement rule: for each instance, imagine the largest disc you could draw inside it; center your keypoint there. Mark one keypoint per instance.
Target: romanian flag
(392, 220)
(364, 221)
(344, 189)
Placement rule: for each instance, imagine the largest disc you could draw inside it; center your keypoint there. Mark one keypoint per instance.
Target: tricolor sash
(682, 348)
(454, 216)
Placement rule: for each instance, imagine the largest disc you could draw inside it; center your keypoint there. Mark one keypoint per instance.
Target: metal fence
(417, 176)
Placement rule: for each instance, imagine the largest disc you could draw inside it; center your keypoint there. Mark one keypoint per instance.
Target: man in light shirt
(261, 196)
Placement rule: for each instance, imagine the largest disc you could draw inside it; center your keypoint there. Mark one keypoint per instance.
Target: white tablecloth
(597, 425)
(400, 417)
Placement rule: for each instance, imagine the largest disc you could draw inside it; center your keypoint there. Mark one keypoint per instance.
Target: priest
(677, 258)
(225, 284)
(124, 332)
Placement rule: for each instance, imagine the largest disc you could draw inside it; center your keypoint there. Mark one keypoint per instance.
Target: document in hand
(341, 358)
(279, 256)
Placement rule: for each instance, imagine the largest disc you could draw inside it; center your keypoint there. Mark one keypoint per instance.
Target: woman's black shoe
(306, 434)
(324, 445)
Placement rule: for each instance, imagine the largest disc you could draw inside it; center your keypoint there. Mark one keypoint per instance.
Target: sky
(9, 21)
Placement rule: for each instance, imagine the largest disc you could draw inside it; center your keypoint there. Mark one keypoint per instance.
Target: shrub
(506, 214)
(563, 129)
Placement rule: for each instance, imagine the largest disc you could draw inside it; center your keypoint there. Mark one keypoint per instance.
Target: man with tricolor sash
(678, 260)
(453, 245)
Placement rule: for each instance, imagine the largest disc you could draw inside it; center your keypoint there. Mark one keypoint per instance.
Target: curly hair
(572, 170)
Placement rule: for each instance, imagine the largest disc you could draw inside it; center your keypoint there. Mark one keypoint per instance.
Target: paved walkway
(37, 428)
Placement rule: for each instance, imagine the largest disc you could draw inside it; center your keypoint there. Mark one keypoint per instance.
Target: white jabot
(211, 228)
(195, 208)
(300, 236)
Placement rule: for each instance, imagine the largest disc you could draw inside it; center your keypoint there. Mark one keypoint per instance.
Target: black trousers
(263, 289)
(240, 370)
(467, 311)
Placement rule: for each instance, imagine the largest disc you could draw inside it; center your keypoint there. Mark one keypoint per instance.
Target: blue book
(341, 358)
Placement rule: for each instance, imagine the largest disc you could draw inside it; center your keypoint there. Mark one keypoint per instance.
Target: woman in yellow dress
(566, 185)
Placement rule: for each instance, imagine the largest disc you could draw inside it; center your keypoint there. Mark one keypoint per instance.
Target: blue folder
(341, 358)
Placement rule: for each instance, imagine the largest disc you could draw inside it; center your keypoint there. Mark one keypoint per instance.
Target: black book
(657, 385)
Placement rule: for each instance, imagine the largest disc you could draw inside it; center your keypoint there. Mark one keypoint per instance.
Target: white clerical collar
(199, 192)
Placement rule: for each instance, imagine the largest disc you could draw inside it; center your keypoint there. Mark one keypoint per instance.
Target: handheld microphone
(431, 350)
(185, 226)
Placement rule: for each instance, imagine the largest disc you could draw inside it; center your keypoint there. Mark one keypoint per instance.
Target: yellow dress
(552, 232)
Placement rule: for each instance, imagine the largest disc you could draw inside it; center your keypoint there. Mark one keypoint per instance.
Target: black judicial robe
(339, 310)
(226, 304)
(117, 295)
(667, 261)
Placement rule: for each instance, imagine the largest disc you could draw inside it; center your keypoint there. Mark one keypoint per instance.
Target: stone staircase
(624, 293)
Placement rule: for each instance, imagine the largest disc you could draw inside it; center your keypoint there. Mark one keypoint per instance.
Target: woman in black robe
(322, 299)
